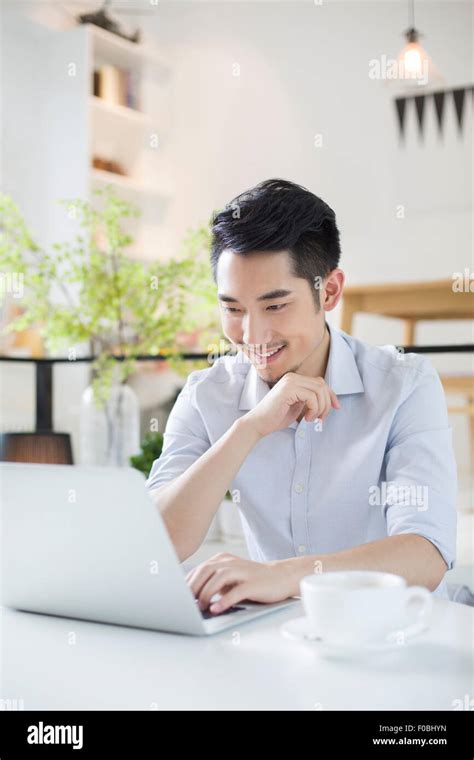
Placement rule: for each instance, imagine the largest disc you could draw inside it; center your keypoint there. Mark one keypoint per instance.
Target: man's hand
(237, 579)
(287, 399)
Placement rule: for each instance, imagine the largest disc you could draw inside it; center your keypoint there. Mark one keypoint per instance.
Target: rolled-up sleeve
(420, 467)
(185, 437)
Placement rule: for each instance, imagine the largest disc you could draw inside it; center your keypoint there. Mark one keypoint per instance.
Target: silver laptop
(88, 543)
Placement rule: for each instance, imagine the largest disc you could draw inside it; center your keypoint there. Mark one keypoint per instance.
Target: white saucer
(297, 629)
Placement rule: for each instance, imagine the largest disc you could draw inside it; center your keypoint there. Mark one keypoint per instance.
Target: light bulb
(412, 60)
(414, 65)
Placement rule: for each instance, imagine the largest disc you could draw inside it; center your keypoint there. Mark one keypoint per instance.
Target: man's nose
(255, 331)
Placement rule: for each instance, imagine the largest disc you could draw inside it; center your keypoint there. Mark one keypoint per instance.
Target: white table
(54, 663)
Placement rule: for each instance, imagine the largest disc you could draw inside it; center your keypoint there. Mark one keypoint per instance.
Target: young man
(338, 454)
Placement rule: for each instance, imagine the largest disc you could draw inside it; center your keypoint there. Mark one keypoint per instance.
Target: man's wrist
(246, 425)
(295, 569)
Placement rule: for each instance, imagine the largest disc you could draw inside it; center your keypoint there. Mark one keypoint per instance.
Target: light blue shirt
(380, 466)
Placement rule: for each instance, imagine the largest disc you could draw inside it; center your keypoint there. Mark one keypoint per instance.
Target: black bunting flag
(439, 106)
(420, 110)
(400, 105)
(458, 96)
(459, 99)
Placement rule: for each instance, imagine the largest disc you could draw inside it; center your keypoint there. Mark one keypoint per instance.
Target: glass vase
(110, 435)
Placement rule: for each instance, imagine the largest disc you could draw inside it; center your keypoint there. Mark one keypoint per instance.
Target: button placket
(299, 491)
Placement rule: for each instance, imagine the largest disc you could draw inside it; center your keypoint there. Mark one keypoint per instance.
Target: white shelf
(121, 52)
(118, 132)
(122, 112)
(74, 126)
(123, 182)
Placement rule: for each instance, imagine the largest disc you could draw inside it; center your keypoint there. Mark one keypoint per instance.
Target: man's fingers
(222, 579)
(316, 395)
(324, 403)
(201, 577)
(234, 596)
(314, 383)
(319, 406)
(314, 400)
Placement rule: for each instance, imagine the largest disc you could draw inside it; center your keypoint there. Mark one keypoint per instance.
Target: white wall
(304, 70)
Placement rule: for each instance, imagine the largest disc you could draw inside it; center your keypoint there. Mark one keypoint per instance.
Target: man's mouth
(267, 356)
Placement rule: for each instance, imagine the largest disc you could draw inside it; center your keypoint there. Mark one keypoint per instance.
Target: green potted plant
(151, 448)
(88, 291)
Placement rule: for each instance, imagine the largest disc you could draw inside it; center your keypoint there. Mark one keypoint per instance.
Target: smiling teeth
(265, 356)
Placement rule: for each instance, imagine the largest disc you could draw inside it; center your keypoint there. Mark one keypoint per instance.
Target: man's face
(264, 307)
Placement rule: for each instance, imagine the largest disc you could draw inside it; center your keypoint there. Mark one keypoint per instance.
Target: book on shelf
(116, 86)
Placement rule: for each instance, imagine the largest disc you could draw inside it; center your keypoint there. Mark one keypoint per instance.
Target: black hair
(278, 215)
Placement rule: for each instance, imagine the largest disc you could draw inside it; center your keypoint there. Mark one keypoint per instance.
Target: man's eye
(274, 307)
(278, 306)
(230, 308)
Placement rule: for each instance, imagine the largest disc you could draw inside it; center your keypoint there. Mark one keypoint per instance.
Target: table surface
(54, 663)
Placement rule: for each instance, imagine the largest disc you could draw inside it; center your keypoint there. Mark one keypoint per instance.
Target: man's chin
(271, 377)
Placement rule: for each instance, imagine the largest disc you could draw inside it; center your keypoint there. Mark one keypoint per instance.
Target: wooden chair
(413, 302)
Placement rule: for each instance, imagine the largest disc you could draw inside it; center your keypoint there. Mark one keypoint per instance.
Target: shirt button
(301, 433)
(301, 548)
(299, 488)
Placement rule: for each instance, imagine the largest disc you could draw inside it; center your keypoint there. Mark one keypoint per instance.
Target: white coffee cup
(356, 606)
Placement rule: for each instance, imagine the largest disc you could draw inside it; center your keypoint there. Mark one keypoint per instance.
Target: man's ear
(333, 287)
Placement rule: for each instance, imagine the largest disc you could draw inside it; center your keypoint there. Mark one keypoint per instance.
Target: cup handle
(425, 597)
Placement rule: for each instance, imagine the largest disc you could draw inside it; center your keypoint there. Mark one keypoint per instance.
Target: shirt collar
(342, 373)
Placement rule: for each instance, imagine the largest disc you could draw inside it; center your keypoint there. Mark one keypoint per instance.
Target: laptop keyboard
(208, 614)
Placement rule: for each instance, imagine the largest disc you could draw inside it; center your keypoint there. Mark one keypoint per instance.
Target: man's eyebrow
(281, 293)
(223, 297)
(270, 296)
